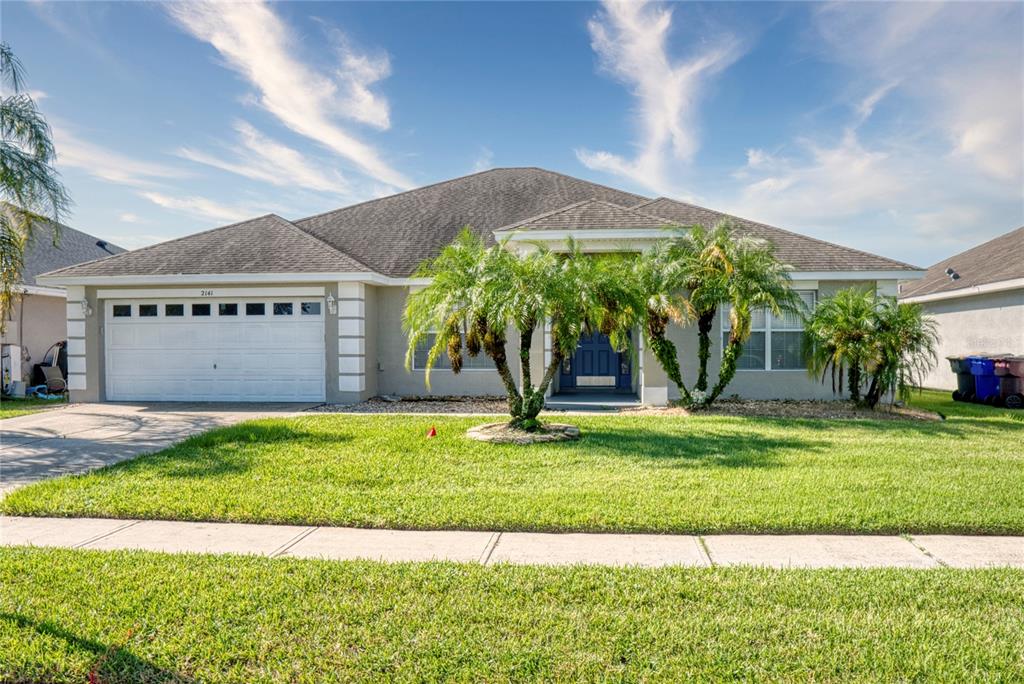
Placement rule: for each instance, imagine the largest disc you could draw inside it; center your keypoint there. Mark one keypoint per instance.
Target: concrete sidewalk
(648, 550)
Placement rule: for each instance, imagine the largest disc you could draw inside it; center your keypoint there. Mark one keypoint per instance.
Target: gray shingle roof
(591, 214)
(73, 247)
(801, 252)
(999, 259)
(267, 244)
(392, 235)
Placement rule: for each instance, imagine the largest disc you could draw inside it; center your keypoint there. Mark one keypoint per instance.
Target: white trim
(226, 278)
(1001, 286)
(581, 234)
(209, 293)
(856, 275)
(43, 291)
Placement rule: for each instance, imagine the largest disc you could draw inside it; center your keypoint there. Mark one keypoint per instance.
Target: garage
(215, 349)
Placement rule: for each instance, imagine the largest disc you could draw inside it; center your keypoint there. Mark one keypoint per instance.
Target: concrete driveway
(80, 437)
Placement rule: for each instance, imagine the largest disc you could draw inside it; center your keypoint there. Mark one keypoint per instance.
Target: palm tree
(720, 267)
(839, 336)
(30, 187)
(478, 293)
(905, 343)
(657, 292)
(758, 281)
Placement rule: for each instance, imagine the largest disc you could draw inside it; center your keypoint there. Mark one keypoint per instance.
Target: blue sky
(892, 127)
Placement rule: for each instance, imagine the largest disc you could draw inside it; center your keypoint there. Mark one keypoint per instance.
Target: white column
(76, 337)
(351, 337)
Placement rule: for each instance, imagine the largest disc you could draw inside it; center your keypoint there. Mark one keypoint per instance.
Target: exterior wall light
(86, 309)
(332, 305)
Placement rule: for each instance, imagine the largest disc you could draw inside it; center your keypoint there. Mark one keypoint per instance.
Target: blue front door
(596, 365)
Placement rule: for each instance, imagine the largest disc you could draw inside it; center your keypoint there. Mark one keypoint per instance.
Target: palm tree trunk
(730, 357)
(534, 402)
(665, 351)
(705, 322)
(853, 379)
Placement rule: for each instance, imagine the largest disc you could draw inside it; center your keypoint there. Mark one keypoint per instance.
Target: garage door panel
(214, 358)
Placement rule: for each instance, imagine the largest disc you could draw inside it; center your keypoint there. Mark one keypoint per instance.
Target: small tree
(839, 338)
(478, 293)
(904, 341)
(716, 267)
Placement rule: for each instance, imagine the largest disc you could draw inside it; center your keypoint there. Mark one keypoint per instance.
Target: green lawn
(135, 616)
(11, 408)
(628, 473)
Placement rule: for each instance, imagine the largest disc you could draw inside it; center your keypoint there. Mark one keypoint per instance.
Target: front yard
(697, 474)
(134, 616)
(12, 408)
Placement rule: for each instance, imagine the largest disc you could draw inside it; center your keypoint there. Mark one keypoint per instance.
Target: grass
(11, 408)
(136, 616)
(628, 473)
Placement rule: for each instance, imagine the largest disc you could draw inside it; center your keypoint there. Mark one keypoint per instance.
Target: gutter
(1001, 286)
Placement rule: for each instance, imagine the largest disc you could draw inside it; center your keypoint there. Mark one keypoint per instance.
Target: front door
(596, 365)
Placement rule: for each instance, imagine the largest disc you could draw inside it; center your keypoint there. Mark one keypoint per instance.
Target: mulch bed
(437, 404)
(830, 410)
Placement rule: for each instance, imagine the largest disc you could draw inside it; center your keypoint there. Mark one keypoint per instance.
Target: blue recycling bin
(986, 383)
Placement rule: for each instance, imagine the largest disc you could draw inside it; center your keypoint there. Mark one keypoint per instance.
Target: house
(311, 310)
(977, 299)
(37, 319)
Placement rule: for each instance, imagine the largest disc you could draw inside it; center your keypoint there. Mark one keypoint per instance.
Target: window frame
(464, 369)
(767, 329)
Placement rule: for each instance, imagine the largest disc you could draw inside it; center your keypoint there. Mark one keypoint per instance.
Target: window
(227, 309)
(147, 309)
(310, 308)
(282, 308)
(174, 309)
(255, 309)
(419, 361)
(200, 309)
(776, 342)
(122, 310)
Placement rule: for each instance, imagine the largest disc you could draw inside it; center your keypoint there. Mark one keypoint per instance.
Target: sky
(895, 128)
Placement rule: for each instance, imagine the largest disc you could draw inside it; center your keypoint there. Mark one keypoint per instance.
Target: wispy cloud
(202, 207)
(484, 159)
(257, 44)
(262, 158)
(106, 164)
(128, 217)
(631, 42)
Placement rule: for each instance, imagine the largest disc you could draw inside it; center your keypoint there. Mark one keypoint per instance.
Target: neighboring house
(311, 310)
(977, 300)
(38, 318)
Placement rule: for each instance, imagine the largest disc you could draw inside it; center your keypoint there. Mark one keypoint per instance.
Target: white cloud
(256, 43)
(129, 217)
(962, 63)
(202, 207)
(103, 163)
(631, 41)
(261, 158)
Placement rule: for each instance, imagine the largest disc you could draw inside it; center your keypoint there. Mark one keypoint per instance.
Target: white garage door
(241, 349)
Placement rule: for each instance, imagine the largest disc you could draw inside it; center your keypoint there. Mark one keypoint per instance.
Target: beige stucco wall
(992, 323)
(35, 323)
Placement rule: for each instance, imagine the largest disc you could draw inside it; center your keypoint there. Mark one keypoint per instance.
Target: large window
(419, 360)
(776, 342)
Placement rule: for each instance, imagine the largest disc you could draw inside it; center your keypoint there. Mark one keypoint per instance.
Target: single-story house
(37, 320)
(311, 310)
(977, 300)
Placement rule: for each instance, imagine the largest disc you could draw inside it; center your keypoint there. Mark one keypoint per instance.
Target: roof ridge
(331, 248)
(460, 178)
(165, 242)
(790, 232)
(573, 205)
